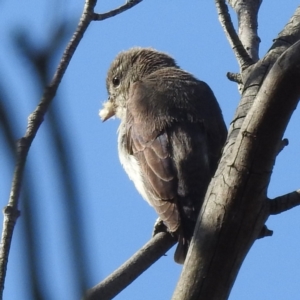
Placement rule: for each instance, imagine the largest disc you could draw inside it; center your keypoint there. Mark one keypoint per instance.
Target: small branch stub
(284, 203)
(236, 77)
(282, 145)
(265, 231)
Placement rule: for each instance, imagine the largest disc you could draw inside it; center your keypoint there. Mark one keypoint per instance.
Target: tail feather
(181, 250)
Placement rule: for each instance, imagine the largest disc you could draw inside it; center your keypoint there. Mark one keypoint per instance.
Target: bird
(170, 136)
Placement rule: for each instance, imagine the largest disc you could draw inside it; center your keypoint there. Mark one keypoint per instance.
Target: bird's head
(128, 67)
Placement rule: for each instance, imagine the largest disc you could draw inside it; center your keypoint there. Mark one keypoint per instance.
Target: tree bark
(236, 205)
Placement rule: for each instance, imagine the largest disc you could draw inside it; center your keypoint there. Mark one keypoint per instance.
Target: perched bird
(170, 137)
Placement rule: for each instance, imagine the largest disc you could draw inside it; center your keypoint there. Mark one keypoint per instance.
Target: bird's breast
(130, 164)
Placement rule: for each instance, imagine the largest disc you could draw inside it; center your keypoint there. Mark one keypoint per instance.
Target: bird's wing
(150, 145)
(175, 131)
(170, 145)
(151, 150)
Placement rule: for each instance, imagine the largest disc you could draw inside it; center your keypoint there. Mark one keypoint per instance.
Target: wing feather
(175, 131)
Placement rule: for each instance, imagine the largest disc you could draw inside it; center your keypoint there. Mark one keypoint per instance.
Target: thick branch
(284, 203)
(289, 35)
(241, 54)
(235, 207)
(134, 267)
(23, 145)
(255, 74)
(129, 4)
(247, 12)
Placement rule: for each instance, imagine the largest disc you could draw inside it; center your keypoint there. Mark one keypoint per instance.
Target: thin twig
(241, 54)
(11, 211)
(129, 4)
(132, 268)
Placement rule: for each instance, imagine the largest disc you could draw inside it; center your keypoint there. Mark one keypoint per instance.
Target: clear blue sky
(117, 222)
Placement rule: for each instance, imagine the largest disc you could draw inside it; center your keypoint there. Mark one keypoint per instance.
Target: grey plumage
(170, 137)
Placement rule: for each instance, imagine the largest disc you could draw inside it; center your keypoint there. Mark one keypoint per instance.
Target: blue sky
(116, 221)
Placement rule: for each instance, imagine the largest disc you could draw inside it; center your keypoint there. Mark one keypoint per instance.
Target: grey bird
(170, 137)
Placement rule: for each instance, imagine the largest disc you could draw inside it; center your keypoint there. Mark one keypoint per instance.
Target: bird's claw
(159, 226)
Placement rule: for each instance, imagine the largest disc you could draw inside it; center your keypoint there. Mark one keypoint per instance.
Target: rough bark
(236, 205)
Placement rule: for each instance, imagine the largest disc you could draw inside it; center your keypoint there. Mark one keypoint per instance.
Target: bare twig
(11, 211)
(247, 12)
(130, 270)
(241, 54)
(284, 203)
(129, 4)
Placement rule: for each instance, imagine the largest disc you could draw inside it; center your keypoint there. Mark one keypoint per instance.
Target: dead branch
(255, 74)
(247, 12)
(284, 203)
(235, 207)
(241, 54)
(131, 269)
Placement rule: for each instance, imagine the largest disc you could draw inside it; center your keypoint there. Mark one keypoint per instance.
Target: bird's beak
(107, 111)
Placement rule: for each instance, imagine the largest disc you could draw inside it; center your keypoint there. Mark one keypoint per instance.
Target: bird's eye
(116, 81)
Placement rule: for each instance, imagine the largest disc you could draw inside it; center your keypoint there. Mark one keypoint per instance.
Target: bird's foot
(159, 226)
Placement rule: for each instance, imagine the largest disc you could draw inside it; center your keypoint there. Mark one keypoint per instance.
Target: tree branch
(284, 203)
(129, 4)
(247, 12)
(241, 54)
(131, 269)
(255, 74)
(289, 35)
(235, 207)
(11, 211)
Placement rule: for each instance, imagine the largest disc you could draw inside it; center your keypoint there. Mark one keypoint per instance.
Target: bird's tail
(181, 250)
